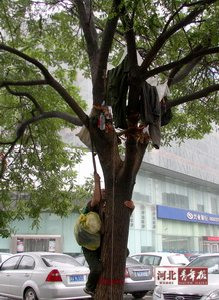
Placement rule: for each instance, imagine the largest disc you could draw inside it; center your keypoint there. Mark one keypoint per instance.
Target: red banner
(192, 276)
(211, 238)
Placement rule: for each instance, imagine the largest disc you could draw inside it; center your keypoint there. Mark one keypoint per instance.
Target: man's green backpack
(87, 230)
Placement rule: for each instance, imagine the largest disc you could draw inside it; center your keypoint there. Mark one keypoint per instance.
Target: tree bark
(114, 243)
(119, 179)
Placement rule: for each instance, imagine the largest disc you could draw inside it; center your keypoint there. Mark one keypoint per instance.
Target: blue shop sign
(172, 213)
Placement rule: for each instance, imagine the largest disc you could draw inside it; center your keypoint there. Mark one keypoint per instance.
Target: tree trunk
(119, 178)
(114, 244)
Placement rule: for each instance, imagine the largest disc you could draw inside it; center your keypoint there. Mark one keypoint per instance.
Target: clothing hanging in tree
(150, 112)
(116, 92)
(150, 106)
(166, 113)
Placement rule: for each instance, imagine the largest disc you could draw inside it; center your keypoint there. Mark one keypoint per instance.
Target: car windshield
(54, 259)
(211, 262)
(132, 261)
(178, 259)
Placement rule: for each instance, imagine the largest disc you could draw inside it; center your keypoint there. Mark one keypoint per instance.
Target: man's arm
(97, 191)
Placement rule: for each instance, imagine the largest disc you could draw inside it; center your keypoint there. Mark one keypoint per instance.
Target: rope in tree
(113, 207)
(93, 155)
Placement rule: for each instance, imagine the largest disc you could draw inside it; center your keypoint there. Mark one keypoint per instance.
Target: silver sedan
(42, 276)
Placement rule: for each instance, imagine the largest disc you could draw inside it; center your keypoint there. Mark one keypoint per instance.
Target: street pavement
(128, 297)
(125, 298)
(148, 297)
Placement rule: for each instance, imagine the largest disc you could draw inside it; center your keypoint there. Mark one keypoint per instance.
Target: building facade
(177, 199)
(177, 206)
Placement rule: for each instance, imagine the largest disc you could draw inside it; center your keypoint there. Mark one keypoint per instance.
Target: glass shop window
(175, 200)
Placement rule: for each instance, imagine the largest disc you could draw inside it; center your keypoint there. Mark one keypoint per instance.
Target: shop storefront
(193, 223)
(211, 244)
(23, 243)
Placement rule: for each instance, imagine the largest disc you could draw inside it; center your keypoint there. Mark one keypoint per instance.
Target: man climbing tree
(168, 77)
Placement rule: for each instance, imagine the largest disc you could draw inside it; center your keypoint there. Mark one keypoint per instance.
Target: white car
(194, 292)
(42, 276)
(161, 258)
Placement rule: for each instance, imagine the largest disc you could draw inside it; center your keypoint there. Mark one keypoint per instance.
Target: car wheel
(139, 295)
(30, 294)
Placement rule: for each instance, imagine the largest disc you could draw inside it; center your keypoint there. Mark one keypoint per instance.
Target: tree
(43, 43)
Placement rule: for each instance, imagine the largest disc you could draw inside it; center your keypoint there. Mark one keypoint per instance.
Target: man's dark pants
(93, 259)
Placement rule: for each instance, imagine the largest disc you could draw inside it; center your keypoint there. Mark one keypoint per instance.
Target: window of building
(142, 217)
(131, 224)
(142, 197)
(214, 205)
(180, 244)
(175, 200)
(154, 217)
(201, 207)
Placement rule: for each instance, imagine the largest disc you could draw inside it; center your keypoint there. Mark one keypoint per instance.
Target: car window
(132, 261)
(54, 259)
(151, 260)
(177, 259)
(157, 260)
(137, 257)
(81, 259)
(26, 263)
(211, 262)
(10, 263)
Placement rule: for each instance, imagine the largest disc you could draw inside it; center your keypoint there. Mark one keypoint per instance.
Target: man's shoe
(88, 292)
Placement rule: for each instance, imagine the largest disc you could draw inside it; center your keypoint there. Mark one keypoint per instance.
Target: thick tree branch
(51, 81)
(164, 36)
(180, 72)
(22, 127)
(29, 59)
(183, 72)
(71, 102)
(46, 115)
(87, 22)
(134, 88)
(106, 145)
(130, 40)
(4, 159)
(27, 95)
(22, 83)
(108, 35)
(200, 94)
(133, 159)
(172, 17)
(187, 59)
